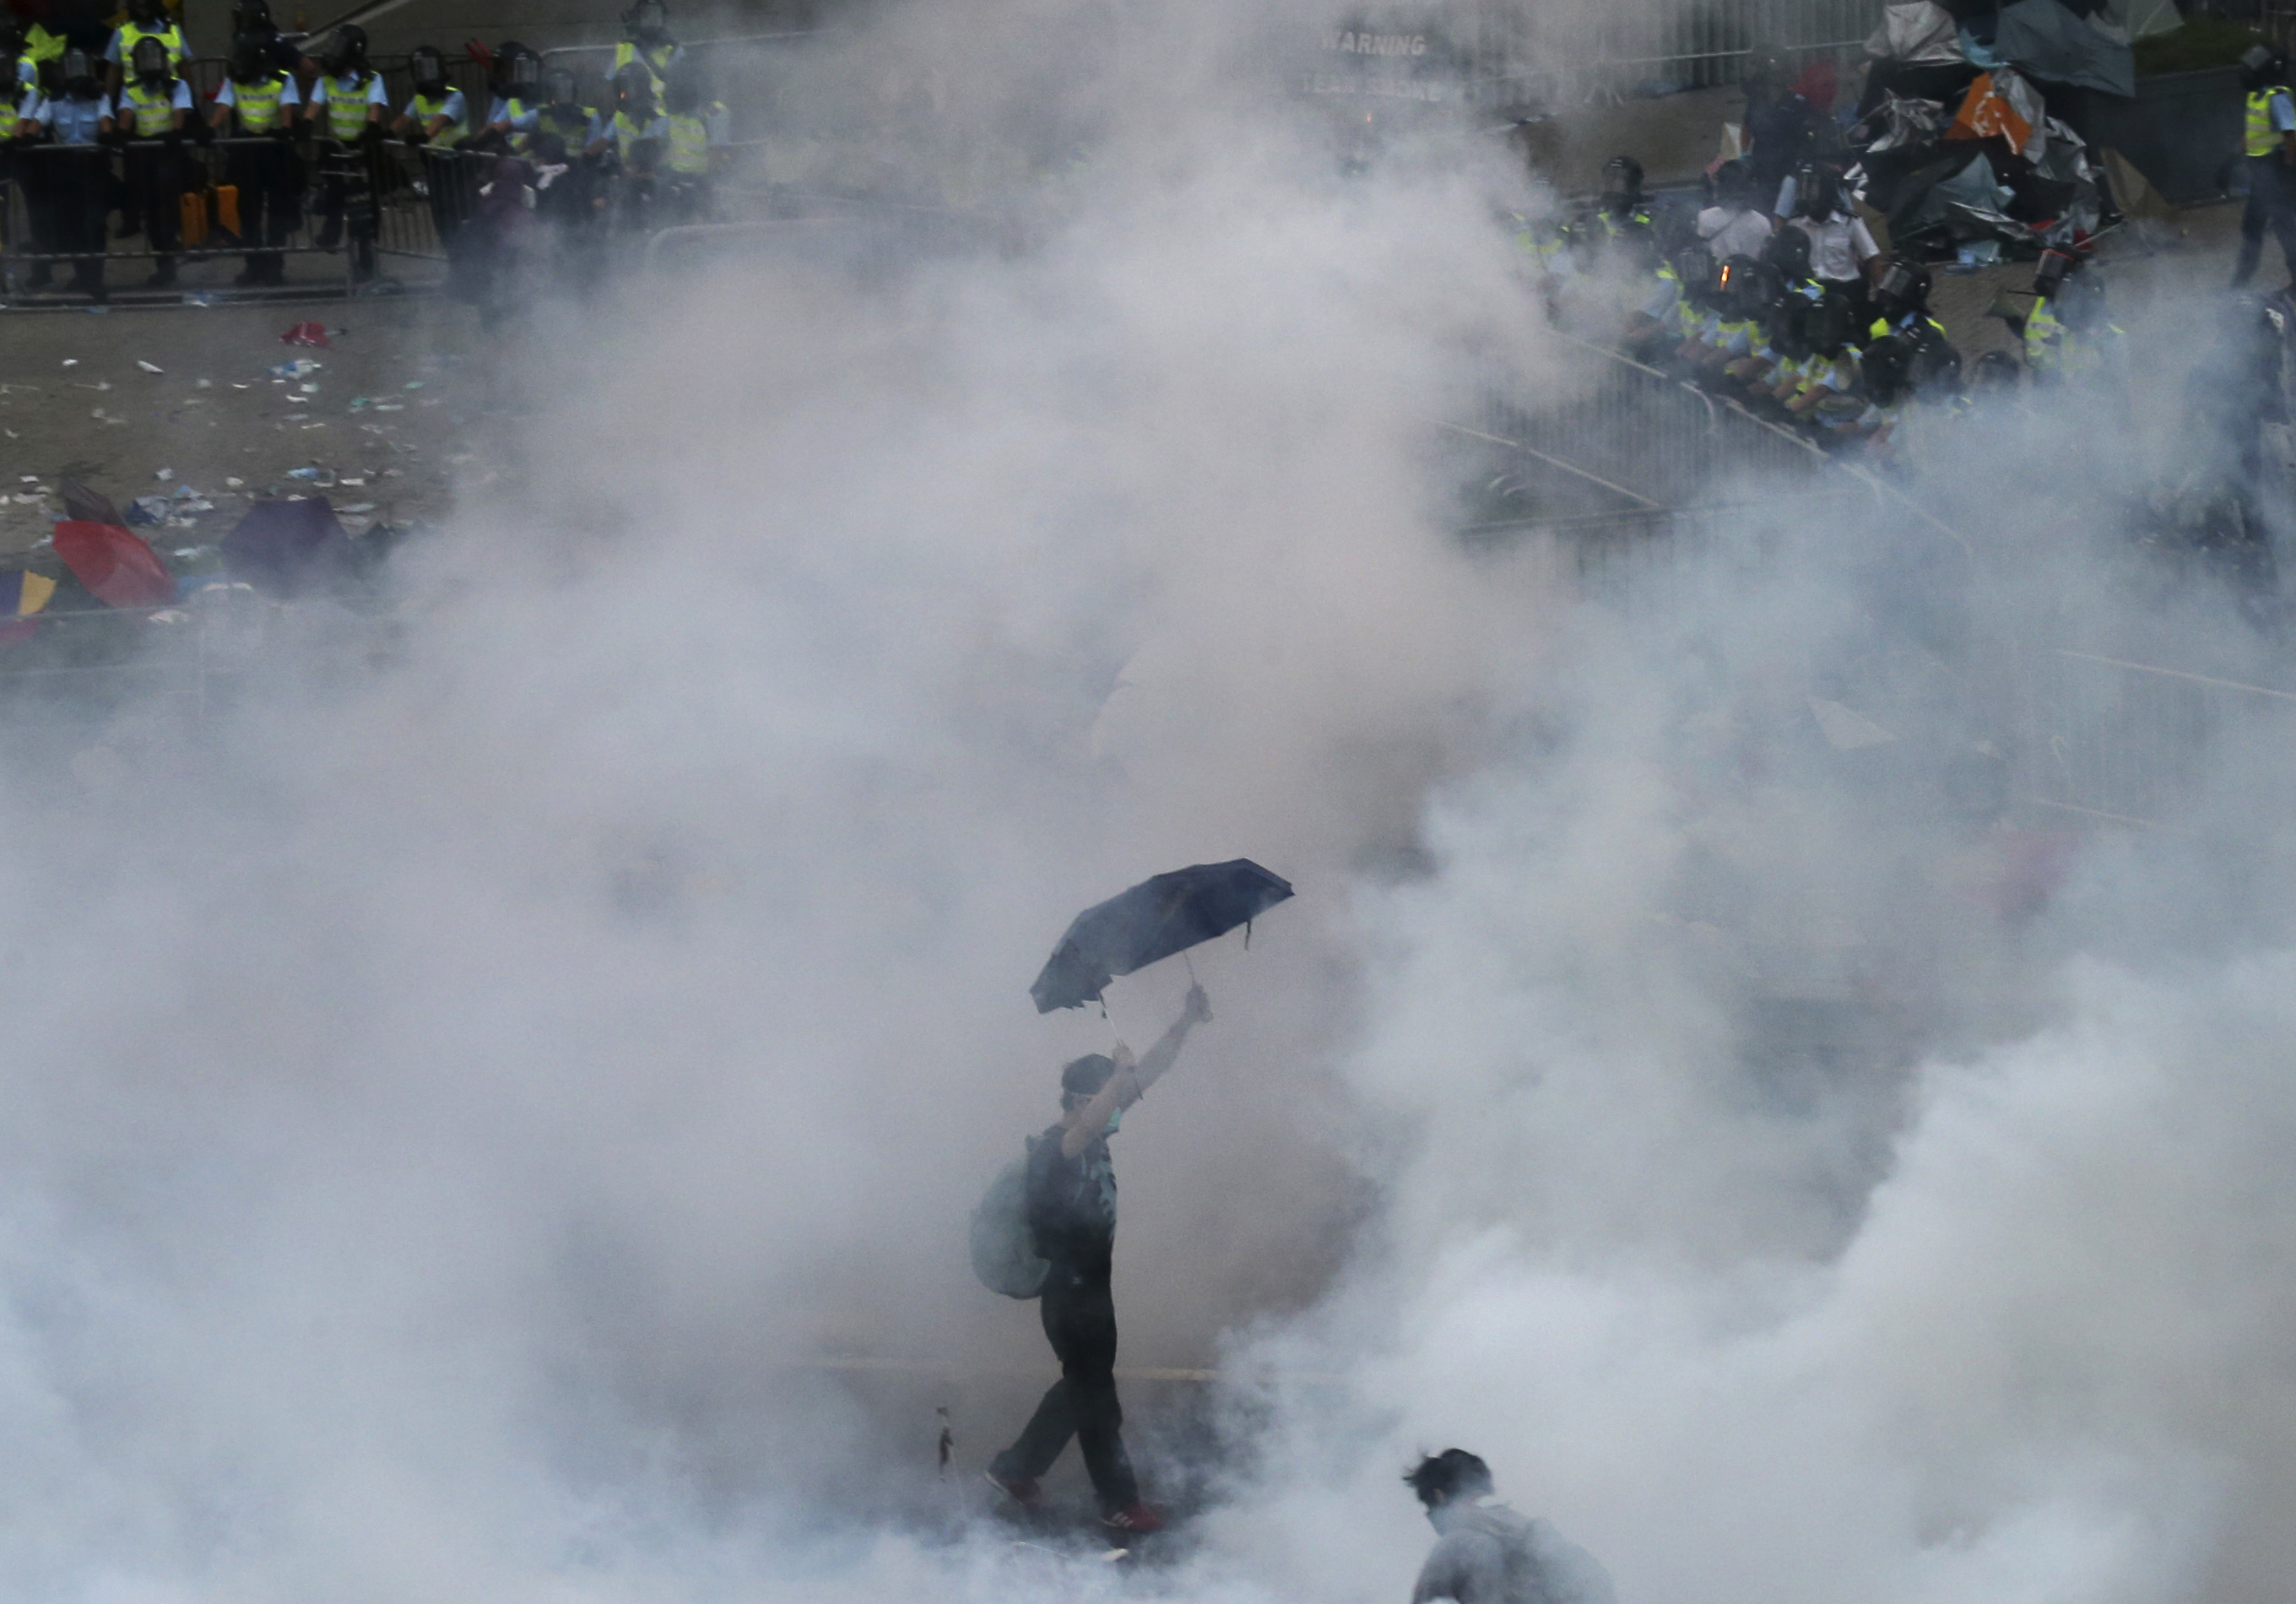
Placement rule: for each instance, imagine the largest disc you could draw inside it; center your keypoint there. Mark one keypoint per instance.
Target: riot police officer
(1901, 301)
(146, 19)
(67, 177)
(2269, 156)
(350, 107)
(646, 40)
(257, 106)
(153, 109)
(438, 120)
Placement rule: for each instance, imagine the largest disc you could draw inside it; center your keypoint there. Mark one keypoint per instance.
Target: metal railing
(185, 201)
(2107, 740)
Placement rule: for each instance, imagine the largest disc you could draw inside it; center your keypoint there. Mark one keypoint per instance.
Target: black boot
(163, 276)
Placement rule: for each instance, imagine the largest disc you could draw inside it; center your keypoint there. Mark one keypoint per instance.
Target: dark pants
(69, 189)
(155, 196)
(270, 203)
(2269, 207)
(1081, 1324)
(452, 179)
(348, 197)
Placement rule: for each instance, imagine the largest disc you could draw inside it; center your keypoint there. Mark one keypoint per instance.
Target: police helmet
(1761, 288)
(2056, 267)
(2263, 66)
(2079, 301)
(1885, 370)
(1622, 182)
(1767, 69)
(1788, 251)
(426, 64)
(559, 86)
(646, 19)
(634, 84)
(78, 70)
(248, 63)
(147, 13)
(1729, 283)
(149, 59)
(252, 16)
(1694, 272)
(1937, 365)
(1995, 370)
(346, 50)
(515, 67)
(1817, 190)
(1904, 286)
(1830, 323)
(12, 34)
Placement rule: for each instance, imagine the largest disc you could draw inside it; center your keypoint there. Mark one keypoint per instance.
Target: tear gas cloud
(458, 1104)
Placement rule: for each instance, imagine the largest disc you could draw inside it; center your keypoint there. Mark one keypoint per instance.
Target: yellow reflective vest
(689, 145)
(347, 108)
(154, 107)
(428, 107)
(2261, 138)
(132, 33)
(258, 103)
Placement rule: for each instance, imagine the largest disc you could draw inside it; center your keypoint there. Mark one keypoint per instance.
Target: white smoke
(459, 1096)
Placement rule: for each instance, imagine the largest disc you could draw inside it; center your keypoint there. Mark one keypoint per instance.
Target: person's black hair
(1453, 1473)
(1080, 1078)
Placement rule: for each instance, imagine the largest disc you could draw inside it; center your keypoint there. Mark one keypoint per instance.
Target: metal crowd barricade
(35, 201)
(1693, 45)
(2104, 740)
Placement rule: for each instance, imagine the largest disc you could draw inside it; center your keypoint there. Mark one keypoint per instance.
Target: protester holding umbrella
(1071, 1208)
(1070, 1189)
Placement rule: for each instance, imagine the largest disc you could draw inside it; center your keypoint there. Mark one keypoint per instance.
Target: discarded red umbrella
(117, 567)
(306, 333)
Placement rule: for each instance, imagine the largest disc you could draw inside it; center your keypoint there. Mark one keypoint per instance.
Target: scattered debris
(297, 369)
(233, 483)
(206, 384)
(149, 367)
(71, 361)
(163, 474)
(306, 333)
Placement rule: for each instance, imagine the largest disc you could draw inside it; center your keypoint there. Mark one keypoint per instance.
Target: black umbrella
(1156, 919)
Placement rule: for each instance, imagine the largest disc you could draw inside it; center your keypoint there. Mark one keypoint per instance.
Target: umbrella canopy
(117, 567)
(2050, 43)
(1155, 919)
(290, 547)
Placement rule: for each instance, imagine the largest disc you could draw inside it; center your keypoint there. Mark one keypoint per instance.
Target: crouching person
(1489, 1554)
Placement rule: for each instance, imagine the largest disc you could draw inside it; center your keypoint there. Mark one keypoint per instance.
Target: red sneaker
(1136, 1518)
(1023, 1490)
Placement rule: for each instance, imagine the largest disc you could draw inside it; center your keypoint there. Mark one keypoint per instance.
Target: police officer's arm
(219, 117)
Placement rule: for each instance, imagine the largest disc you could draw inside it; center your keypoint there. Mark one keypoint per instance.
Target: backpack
(1005, 1255)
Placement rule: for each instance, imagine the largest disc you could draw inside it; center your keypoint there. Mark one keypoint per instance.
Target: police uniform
(267, 175)
(2055, 350)
(68, 181)
(516, 116)
(657, 59)
(2271, 114)
(340, 105)
(446, 171)
(121, 50)
(155, 164)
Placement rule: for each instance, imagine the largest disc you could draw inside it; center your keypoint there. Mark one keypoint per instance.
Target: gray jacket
(1489, 1554)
